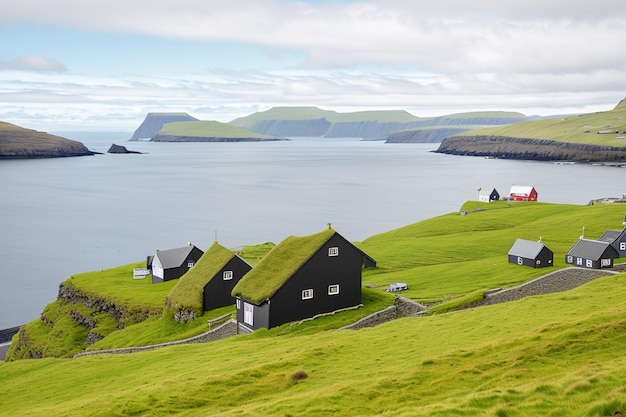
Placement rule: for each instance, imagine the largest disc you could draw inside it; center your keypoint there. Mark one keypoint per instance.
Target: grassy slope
(208, 128)
(15, 138)
(568, 129)
(552, 355)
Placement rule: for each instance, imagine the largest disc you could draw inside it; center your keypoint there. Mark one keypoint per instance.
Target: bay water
(63, 216)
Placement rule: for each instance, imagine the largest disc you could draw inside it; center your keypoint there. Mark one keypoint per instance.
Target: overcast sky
(104, 64)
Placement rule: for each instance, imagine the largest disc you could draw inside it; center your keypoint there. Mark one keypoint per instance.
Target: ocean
(69, 215)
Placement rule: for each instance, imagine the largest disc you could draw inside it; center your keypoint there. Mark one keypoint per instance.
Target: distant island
(20, 143)
(394, 126)
(595, 138)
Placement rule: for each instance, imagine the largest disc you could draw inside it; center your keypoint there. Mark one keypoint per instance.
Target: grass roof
(188, 291)
(279, 265)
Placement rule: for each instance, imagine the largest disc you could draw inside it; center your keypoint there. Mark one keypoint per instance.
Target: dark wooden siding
(543, 259)
(217, 292)
(179, 271)
(261, 314)
(320, 271)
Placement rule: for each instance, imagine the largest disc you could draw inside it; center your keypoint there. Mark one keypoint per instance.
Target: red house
(522, 193)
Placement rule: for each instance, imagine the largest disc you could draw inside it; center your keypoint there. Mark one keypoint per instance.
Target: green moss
(188, 291)
(277, 266)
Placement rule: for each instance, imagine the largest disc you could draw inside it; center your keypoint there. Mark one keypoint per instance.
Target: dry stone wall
(557, 281)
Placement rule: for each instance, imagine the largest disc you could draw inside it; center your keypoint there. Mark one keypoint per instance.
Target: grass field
(574, 129)
(552, 355)
(210, 128)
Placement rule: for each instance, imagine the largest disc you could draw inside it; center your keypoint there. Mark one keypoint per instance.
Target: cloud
(32, 62)
(206, 56)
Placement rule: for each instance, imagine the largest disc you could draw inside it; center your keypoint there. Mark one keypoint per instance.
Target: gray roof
(526, 248)
(609, 235)
(172, 258)
(592, 249)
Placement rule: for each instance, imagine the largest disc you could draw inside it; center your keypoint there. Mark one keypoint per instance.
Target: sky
(103, 65)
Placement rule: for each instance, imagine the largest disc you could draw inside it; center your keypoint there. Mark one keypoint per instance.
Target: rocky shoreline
(505, 147)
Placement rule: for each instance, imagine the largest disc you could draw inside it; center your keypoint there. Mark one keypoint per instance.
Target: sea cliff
(530, 149)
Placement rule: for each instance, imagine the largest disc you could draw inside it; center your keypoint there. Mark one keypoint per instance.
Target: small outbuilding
(173, 263)
(617, 239)
(209, 284)
(301, 278)
(529, 253)
(493, 196)
(592, 254)
(522, 193)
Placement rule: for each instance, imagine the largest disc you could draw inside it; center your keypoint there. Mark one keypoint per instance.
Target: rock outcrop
(505, 147)
(120, 149)
(423, 135)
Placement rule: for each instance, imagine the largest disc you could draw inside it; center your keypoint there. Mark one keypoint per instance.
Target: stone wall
(557, 281)
(403, 307)
(225, 330)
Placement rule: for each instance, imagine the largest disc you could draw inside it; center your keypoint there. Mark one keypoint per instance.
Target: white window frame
(333, 251)
(605, 262)
(238, 302)
(191, 264)
(248, 314)
(227, 275)
(622, 245)
(307, 294)
(333, 289)
(589, 263)
(520, 260)
(579, 261)
(570, 259)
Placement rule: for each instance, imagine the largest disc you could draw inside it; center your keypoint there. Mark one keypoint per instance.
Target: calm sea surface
(70, 215)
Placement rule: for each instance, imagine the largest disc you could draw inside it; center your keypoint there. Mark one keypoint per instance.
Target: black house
(494, 196)
(529, 253)
(215, 274)
(617, 239)
(173, 263)
(591, 254)
(301, 278)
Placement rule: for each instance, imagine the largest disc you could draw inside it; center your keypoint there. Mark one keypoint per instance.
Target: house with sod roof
(529, 253)
(522, 193)
(208, 285)
(173, 263)
(617, 239)
(593, 254)
(301, 277)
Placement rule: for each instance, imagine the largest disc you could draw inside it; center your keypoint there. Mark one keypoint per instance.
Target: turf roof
(189, 291)
(279, 265)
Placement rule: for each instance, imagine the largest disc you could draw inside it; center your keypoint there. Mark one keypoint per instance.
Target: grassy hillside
(207, 128)
(574, 129)
(560, 354)
(19, 143)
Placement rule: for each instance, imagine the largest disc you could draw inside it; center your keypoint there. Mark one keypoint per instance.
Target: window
(307, 294)
(248, 314)
(570, 259)
(333, 289)
(190, 264)
(605, 262)
(622, 245)
(228, 275)
(238, 304)
(334, 251)
(520, 260)
(589, 263)
(579, 261)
